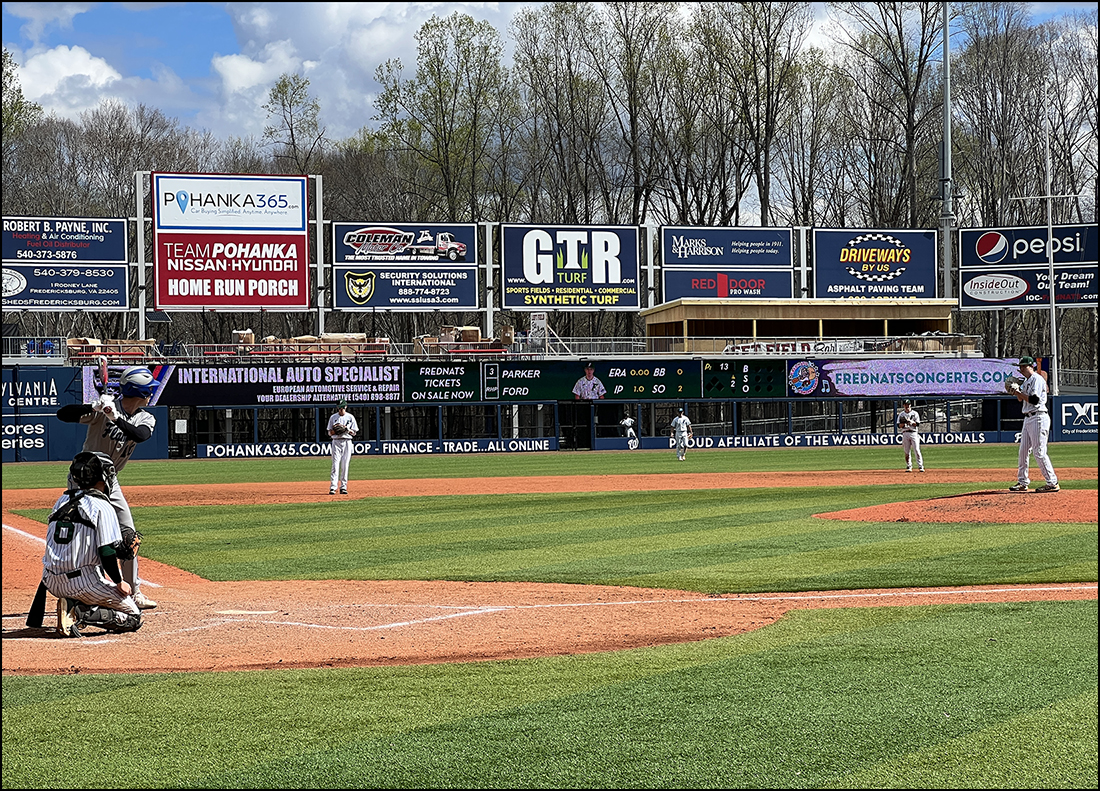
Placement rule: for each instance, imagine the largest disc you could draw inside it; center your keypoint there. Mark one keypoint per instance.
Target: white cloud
(39, 16)
(69, 77)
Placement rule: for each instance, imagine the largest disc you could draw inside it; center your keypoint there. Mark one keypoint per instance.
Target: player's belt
(72, 574)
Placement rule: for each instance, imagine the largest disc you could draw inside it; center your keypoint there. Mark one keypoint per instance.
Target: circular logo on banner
(991, 247)
(14, 282)
(996, 288)
(803, 377)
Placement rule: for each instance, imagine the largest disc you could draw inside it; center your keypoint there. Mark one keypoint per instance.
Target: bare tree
(294, 128)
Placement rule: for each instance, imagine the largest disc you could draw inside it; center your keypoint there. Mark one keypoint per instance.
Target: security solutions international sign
(404, 266)
(570, 267)
(874, 264)
(230, 242)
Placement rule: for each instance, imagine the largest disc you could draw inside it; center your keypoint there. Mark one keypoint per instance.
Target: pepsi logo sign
(992, 247)
(996, 287)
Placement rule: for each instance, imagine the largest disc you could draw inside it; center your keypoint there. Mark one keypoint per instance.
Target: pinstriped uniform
(105, 437)
(71, 566)
(1035, 432)
(910, 437)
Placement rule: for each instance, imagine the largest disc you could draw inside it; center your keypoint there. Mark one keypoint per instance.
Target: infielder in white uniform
(1032, 393)
(80, 566)
(909, 425)
(341, 428)
(681, 433)
(631, 437)
(115, 429)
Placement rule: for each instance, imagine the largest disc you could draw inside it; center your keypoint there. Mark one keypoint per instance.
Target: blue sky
(211, 65)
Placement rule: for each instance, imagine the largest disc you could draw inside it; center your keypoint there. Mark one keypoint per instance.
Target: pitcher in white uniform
(909, 425)
(341, 429)
(1032, 394)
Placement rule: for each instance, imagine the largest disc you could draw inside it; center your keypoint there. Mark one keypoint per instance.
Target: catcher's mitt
(128, 547)
(339, 429)
(1012, 385)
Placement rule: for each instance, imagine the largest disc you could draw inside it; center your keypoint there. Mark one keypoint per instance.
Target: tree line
(639, 113)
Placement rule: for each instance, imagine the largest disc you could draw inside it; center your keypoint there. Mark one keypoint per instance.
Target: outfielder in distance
(631, 436)
(909, 425)
(1031, 392)
(342, 427)
(681, 433)
(115, 429)
(83, 547)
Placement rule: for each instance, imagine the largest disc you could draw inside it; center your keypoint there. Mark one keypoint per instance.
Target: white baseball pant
(90, 585)
(910, 443)
(1033, 440)
(341, 459)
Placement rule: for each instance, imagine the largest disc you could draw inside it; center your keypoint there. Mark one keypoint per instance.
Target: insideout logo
(996, 287)
(992, 247)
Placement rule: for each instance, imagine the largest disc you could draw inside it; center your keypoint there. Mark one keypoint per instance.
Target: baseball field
(811, 618)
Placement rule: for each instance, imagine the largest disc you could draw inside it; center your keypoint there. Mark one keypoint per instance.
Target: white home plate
(245, 612)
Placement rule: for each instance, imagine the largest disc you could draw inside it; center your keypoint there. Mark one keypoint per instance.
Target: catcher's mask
(89, 468)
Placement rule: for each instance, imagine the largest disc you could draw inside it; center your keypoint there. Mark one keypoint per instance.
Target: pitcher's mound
(998, 506)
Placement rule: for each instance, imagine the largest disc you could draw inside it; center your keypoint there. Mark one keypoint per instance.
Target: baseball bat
(38, 607)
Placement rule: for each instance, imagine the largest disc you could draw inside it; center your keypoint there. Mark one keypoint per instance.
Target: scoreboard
(622, 379)
(745, 378)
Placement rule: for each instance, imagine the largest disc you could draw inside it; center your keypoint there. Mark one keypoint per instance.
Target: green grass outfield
(993, 695)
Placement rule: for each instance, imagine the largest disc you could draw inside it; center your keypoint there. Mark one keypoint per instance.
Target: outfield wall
(419, 408)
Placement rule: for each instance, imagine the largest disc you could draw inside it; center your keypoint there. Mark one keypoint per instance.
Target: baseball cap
(588, 364)
(1027, 361)
(342, 404)
(681, 409)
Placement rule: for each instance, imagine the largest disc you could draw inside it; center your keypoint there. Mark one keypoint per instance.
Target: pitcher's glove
(1012, 385)
(339, 429)
(128, 547)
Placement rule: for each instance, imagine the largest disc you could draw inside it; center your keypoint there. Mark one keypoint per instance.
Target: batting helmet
(137, 380)
(89, 468)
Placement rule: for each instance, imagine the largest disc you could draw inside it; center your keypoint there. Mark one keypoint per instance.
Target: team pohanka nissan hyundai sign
(230, 242)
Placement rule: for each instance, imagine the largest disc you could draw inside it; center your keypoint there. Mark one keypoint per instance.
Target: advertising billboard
(569, 267)
(981, 248)
(405, 266)
(65, 263)
(874, 264)
(892, 378)
(230, 242)
(1027, 287)
(726, 263)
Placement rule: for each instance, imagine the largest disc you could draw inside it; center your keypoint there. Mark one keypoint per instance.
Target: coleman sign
(230, 242)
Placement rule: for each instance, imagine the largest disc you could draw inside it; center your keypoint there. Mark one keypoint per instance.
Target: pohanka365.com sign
(230, 242)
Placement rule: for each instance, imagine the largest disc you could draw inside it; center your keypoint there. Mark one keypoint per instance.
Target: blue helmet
(137, 380)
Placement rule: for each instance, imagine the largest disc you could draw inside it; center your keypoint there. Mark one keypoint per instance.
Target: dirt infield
(203, 625)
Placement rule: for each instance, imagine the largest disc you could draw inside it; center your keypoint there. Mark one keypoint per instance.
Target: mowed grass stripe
(365, 468)
(866, 697)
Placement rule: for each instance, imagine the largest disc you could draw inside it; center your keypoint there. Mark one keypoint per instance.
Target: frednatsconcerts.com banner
(570, 267)
(895, 378)
(874, 264)
(230, 242)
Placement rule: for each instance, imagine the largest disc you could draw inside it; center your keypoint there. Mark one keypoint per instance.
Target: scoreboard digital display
(621, 380)
(741, 378)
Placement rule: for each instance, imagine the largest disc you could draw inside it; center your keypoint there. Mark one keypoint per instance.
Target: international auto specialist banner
(230, 242)
(874, 263)
(65, 263)
(405, 266)
(569, 267)
(895, 378)
(281, 385)
(1010, 267)
(741, 263)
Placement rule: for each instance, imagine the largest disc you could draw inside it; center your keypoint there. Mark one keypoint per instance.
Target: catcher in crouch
(115, 429)
(83, 547)
(341, 427)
